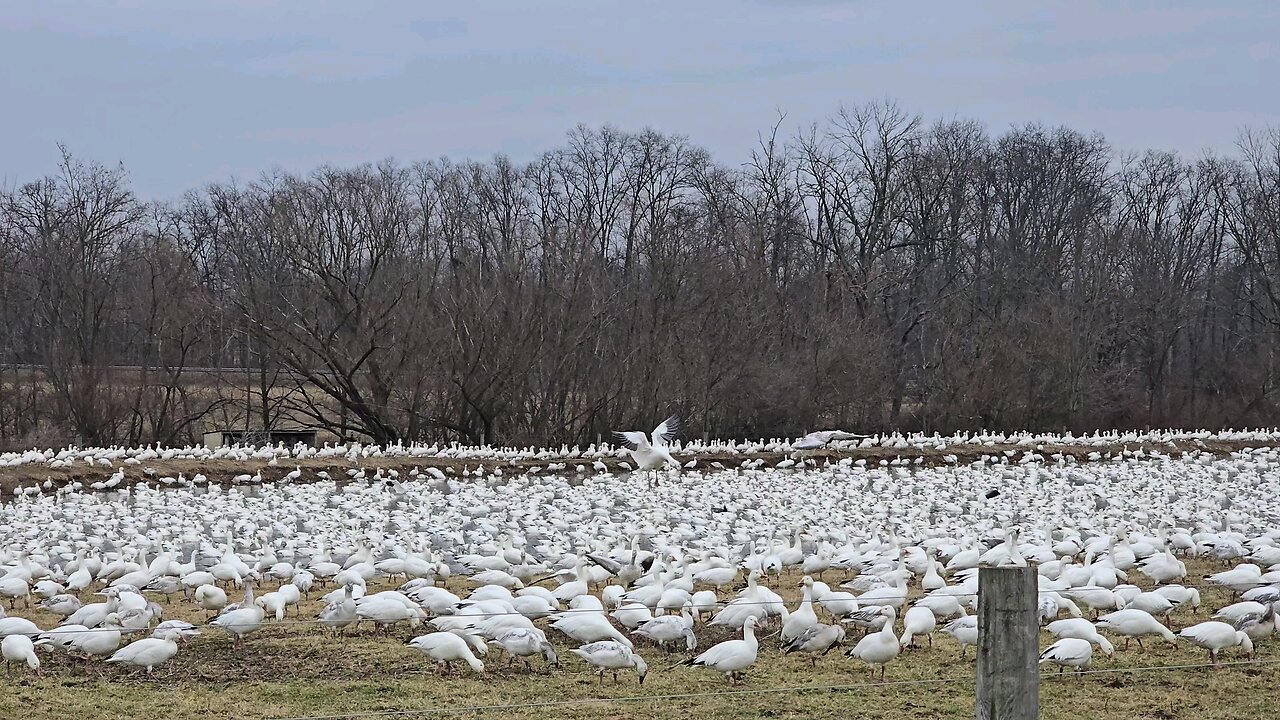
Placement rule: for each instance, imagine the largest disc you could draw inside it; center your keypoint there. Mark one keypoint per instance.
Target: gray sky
(186, 93)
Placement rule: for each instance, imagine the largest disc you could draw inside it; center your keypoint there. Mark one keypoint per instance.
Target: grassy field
(300, 671)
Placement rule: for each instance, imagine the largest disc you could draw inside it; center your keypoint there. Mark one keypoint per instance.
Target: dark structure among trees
(874, 272)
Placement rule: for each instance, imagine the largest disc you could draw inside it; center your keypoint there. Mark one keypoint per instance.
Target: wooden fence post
(1008, 644)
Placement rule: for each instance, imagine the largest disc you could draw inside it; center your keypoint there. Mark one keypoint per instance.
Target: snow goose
(814, 641)
(1134, 623)
(446, 648)
(62, 605)
(1080, 629)
(651, 453)
(525, 642)
(242, 621)
(100, 641)
(1238, 579)
(148, 652)
(339, 614)
(19, 648)
(1068, 652)
(588, 627)
(804, 617)
(1179, 596)
(878, 648)
(731, 657)
(211, 598)
(1215, 636)
(670, 628)
(963, 630)
(919, 620)
(612, 656)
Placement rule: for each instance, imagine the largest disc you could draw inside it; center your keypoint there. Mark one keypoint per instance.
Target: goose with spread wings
(651, 453)
(820, 438)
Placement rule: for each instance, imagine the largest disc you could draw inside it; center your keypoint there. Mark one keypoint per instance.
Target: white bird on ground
(1215, 636)
(731, 657)
(149, 652)
(1068, 652)
(524, 643)
(612, 656)
(878, 648)
(651, 453)
(446, 648)
(1081, 629)
(19, 648)
(814, 641)
(1135, 623)
(965, 631)
(918, 620)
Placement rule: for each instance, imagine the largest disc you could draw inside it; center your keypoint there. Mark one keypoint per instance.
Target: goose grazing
(1215, 636)
(731, 657)
(1134, 623)
(524, 643)
(963, 630)
(612, 656)
(19, 648)
(242, 621)
(670, 628)
(338, 614)
(651, 453)
(814, 641)
(211, 598)
(878, 648)
(1068, 652)
(149, 652)
(589, 627)
(62, 605)
(1080, 629)
(919, 620)
(446, 648)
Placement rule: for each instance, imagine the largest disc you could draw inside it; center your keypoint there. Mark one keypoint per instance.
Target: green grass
(298, 670)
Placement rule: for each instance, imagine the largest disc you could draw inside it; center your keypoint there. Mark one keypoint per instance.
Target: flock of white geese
(530, 563)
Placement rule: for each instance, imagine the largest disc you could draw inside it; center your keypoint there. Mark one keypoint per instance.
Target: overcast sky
(186, 93)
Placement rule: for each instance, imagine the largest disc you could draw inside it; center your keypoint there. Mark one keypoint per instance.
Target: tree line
(875, 271)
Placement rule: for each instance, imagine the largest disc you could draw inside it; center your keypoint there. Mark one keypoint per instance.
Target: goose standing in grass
(731, 657)
(149, 652)
(1135, 623)
(446, 648)
(670, 628)
(338, 614)
(243, 620)
(814, 641)
(918, 620)
(608, 655)
(1081, 629)
(803, 618)
(19, 648)
(651, 453)
(1068, 653)
(524, 643)
(878, 648)
(1216, 636)
(963, 630)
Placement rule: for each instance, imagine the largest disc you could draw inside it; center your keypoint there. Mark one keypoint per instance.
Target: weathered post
(1008, 644)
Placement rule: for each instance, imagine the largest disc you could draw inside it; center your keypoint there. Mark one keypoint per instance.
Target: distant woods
(872, 272)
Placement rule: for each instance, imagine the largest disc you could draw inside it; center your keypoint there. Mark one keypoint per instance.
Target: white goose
(1134, 623)
(242, 621)
(651, 453)
(731, 657)
(614, 656)
(446, 648)
(1068, 652)
(1215, 636)
(149, 652)
(878, 648)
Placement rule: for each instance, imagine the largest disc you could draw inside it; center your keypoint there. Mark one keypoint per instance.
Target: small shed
(287, 437)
